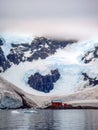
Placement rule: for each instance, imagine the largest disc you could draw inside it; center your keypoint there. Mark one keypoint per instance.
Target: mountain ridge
(65, 56)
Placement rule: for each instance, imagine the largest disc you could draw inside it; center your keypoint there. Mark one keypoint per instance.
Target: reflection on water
(49, 120)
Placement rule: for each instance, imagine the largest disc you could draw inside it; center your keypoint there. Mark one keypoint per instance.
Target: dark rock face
(42, 47)
(17, 53)
(90, 56)
(44, 83)
(4, 63)
(92, 81)
(1, 41)
(15, 56)
(39, 48)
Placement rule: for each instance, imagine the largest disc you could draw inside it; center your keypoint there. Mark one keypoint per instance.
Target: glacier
(67, 60)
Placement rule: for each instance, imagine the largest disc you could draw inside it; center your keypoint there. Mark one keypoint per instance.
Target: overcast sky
(54, 17)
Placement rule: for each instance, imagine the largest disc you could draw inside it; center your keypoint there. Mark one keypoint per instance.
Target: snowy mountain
(44, 66)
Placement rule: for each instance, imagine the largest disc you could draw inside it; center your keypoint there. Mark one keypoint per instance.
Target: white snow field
(67, 61)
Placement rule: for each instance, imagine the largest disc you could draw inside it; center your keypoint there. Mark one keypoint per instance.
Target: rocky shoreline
(12, 97)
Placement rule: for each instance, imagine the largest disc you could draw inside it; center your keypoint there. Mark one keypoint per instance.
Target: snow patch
(66, 60)
(15, 38)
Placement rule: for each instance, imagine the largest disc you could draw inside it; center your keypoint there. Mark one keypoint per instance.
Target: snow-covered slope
(68, 59)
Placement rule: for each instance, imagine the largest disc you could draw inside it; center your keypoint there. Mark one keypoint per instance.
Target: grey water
(48, 119)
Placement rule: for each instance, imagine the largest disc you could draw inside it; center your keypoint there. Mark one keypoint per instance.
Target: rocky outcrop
(4, 63)
(2, 41)
(8, 97)
(12, 97)
(90, 55)
(91, 81)
(15, 56)
(40, 47)
(44, 83)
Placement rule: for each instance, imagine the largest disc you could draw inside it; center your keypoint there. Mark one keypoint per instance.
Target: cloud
(77, 18)
(35, 9)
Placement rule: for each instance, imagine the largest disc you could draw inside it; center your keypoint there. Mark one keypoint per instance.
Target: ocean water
(48, 119)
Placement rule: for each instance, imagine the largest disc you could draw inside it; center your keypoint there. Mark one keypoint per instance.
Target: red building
(57, 103)
(65, 105)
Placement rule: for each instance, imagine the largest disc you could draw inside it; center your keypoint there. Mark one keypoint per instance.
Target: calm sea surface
(49, 120)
